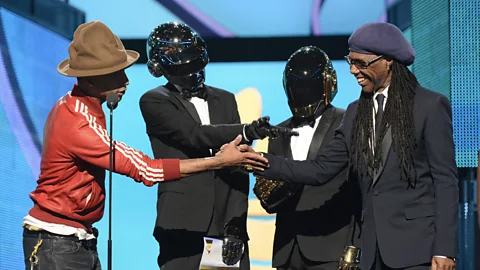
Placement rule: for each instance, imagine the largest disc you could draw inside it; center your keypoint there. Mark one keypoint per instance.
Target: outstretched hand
(241, 147)
(261, 128)
(258, 129)
(235, 155)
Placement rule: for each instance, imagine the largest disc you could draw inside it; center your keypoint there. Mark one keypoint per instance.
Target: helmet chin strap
(320, 109)
(191, 83)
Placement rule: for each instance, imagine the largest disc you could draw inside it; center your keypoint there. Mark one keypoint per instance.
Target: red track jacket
(75, 155)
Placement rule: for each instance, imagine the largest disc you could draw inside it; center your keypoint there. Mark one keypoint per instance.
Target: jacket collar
(93, 106)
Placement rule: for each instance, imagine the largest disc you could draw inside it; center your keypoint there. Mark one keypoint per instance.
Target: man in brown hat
(70, 195)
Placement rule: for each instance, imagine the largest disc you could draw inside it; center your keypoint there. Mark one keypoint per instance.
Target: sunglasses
(360, 64)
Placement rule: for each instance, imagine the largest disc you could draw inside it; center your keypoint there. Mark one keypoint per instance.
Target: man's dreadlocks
(398, 115)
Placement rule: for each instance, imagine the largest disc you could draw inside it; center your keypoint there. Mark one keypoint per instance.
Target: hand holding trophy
(272, 193)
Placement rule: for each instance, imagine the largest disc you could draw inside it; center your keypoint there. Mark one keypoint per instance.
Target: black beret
(382, 39)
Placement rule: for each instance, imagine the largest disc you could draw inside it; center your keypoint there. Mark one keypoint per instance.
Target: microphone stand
(112, 102)
(109, 266)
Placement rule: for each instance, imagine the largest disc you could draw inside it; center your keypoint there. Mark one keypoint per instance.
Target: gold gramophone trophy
(350, 259)
(273, 193)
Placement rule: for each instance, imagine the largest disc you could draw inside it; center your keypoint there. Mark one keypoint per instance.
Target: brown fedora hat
(95, 51)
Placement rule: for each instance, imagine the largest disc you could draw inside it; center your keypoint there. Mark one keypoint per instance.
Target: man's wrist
(216, 162)
(445, 257)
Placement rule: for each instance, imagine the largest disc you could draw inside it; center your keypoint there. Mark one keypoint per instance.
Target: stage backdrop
(30, 86)
(247, 18)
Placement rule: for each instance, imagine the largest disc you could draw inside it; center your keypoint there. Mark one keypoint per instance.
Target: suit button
(376, 192)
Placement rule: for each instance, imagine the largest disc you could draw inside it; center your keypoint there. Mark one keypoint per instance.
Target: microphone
(112, 100)
(112, 103)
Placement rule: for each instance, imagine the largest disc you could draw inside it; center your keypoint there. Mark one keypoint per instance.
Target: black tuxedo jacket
(411, 223)
(312, 216)
(175, 131)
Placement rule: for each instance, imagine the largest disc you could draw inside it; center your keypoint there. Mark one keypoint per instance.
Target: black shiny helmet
(177, 52)
(309, 80)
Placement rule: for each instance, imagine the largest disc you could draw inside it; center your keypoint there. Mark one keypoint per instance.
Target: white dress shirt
(201, 106)
(301, 144)
(375, 109)
(58, 228)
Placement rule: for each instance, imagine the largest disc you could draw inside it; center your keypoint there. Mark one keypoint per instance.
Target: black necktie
(200, 93)
(378, 117)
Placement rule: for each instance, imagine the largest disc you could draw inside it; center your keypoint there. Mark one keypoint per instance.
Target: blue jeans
(60, 252)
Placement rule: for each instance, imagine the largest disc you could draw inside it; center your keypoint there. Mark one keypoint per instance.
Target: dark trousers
(180, 249)
(59, 252)
(380, 265)
(299, 262)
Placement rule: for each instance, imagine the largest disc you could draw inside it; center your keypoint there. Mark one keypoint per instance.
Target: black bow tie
(200, 93)
(299, 124)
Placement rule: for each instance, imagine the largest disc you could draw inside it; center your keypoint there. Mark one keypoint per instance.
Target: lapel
(369, 169)
(186, 104)
(215, 107)
(386, 144)
(322, 129)
(284, 142)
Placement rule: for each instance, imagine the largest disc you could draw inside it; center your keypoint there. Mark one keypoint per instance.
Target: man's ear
(89, 82)
(85, 82)
(389, 63)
